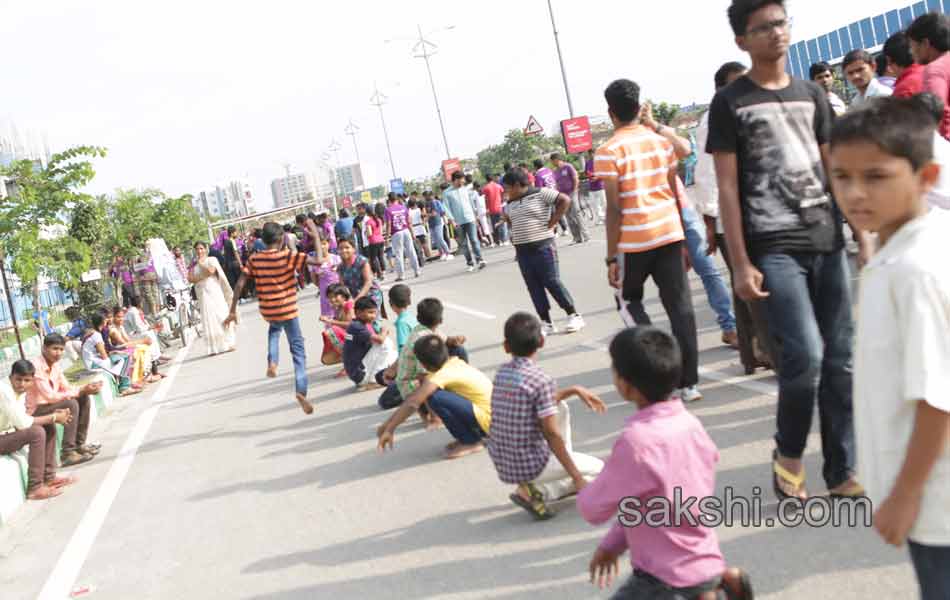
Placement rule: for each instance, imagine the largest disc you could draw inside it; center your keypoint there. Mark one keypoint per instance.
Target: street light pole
(557, 43)
(422, 50)
(6, 290)
(335, 149)
(351, 130)
(377, 100)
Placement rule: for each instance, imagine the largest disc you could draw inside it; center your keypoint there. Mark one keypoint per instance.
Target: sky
(188, 94)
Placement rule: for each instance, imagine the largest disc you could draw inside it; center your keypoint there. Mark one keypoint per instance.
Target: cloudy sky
(185, 94)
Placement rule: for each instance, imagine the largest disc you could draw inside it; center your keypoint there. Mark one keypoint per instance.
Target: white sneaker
(548, 329)
(450, 257)
(575, 323)
(691, 394)
(472, 268)
(481, 265)
(444, 258)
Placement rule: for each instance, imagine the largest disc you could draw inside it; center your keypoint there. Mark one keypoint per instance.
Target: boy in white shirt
(882, 170)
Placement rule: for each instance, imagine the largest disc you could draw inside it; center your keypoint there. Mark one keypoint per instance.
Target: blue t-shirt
(356, 346)
(79, 325)
(43, 318)
(405, 323)
(259, 245)
(344, 228)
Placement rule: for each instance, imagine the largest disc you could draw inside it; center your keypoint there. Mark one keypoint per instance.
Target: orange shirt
(275, 273)
(640, 160)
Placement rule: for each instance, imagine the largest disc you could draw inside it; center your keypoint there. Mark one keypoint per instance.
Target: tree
(132, 214)
(89, 225)
(32, 226)
(179, 224)
(664, 112)
(517, 148)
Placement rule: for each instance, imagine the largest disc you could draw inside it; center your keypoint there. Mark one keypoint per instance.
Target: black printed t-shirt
(783, 192)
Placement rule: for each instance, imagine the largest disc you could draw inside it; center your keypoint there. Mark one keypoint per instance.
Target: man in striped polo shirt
(275, 272)
(644, 226)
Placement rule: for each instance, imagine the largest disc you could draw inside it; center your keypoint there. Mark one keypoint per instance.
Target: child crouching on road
(663, 452)
(367, 352)
(531, 420)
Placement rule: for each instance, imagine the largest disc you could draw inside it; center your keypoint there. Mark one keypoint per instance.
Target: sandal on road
(737, 586)
(782, 475)
(536, 506)
(304, 404)
(851, 490)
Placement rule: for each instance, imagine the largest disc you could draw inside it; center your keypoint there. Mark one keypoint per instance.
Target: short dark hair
(740, 11)
(338, 289)
(432, 352)
(365, 303)
(344, 213)
(300, 219)
(23, 368)
(515, 176)
(523, 334)
(817, 69)
(901, 127)
(469, 178)
(458, 175)
(346, 241)
(649, 359)
(933, 27)
(623, 98)
(933, 104)
(429, 312)
(54, 339)
(538, 164)
(97, 320)
(881, 64)
(726, 71)
(271, 233)
(400, 296)
(897, 48)
(556, 156)
(857, 55)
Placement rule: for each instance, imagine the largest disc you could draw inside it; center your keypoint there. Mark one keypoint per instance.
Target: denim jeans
(438, 239)
(458, 415)
(500, 229)
(391, 398)
(716, 289)
(809, 314)
(295, 339)
(402, 243)
(932, 565)
(539, 268)
(468, 233)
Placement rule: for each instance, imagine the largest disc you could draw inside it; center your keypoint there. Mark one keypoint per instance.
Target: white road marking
(61, 580)
(741, 381)
(470, 311)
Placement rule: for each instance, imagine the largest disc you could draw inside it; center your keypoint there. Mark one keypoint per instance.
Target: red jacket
(910, 83)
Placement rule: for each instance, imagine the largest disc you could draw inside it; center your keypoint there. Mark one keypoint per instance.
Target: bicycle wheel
(182, 324)
(196, 319)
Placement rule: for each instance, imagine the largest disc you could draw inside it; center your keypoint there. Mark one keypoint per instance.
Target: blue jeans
(932, 565)
(539, 268)
(402, 243)
(809, 314)
(500, 229)
(468, 233)
(458, 415)
(716, 289)
(295, 340)
(438, 240)
(391, 398)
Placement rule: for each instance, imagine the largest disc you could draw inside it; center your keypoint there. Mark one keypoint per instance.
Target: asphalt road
(217, 486)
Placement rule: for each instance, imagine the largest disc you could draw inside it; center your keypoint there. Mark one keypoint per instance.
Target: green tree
(179, 224)
(132, 214)
(665, 112)
(517, 148)
(89, 225)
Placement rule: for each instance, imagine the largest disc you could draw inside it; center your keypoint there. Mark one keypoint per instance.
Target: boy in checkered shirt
(530, 421)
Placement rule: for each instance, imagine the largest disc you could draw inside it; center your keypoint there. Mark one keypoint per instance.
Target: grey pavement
(234, 493)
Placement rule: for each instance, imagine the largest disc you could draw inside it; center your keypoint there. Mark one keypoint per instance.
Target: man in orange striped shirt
(644, 226)
(275, 271)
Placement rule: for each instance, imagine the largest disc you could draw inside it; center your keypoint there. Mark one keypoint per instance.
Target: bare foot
(304, 404)
(452, 445)
(44, 492)
(272, 370)
(432, 422)
(368, 386)
(464, 450)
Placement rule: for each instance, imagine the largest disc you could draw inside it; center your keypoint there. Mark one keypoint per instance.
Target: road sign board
(577, 135)
(396, 186)
(533, 127)
(450, 166)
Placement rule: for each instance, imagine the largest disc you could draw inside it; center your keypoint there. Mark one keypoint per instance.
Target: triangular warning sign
(533, 127)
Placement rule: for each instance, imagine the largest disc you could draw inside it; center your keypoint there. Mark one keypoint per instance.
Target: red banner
(577, 135)
(347, 202)
(450, 166)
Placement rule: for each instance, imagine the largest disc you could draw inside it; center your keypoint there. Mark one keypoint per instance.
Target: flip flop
(855, 492)
(304, 404)
(780, 472)
(745, 588)
(536, 506)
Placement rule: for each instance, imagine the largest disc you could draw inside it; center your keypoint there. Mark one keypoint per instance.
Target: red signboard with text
(577, 135)
(450, 166)
(347, 202)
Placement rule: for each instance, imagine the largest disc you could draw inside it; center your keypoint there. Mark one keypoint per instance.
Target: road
(224, 489)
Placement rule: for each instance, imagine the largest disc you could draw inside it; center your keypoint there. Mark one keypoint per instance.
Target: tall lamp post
(351, 130)
(557, 44)
(6, 290)
(377, 100)
(335, 149)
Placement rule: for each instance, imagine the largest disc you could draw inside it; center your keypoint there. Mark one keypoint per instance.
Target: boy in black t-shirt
(769, 134)
(366, 352)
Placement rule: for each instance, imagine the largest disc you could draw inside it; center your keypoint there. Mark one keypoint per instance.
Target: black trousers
(666, 267)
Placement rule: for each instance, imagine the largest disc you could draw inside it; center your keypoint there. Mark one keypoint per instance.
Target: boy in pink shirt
(662, 448)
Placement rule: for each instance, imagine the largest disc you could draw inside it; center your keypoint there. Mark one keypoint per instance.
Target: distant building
(242, 198)
(316, 187)
(227, 201)
(350, 178)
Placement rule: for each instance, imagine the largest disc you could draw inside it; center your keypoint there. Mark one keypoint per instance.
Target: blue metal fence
(866, 33)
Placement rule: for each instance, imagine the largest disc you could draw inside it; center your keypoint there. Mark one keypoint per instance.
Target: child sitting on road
(531, 420)
(458, 393)
(400, 299)
(334, 334)
(663, 452)
(367, 352)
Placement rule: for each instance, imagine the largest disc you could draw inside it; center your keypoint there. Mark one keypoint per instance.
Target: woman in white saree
(214, 301)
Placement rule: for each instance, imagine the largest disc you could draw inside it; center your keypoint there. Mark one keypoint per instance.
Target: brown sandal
(43, 492)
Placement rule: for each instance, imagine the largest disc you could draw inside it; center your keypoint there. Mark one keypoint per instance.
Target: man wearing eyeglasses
(785, 241)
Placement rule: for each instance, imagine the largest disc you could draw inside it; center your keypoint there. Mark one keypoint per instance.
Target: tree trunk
(38, 309)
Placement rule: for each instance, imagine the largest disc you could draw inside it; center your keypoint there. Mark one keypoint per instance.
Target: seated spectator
(458, 393)
(403, 377)
(134, 325)
(51, 392)
(366, 351)
(531, 420)
(400, 299)
(143, 365)
(95, 356)
(38, 433)
(334, 334)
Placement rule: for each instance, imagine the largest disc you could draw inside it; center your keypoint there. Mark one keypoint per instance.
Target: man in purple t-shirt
(567, 183)
(397, 225)
(596, 195)
(544, 178)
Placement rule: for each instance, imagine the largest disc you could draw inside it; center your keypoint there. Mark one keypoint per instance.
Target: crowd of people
(781, 166)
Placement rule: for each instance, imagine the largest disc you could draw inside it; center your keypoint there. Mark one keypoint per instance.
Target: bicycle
(186, 312)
